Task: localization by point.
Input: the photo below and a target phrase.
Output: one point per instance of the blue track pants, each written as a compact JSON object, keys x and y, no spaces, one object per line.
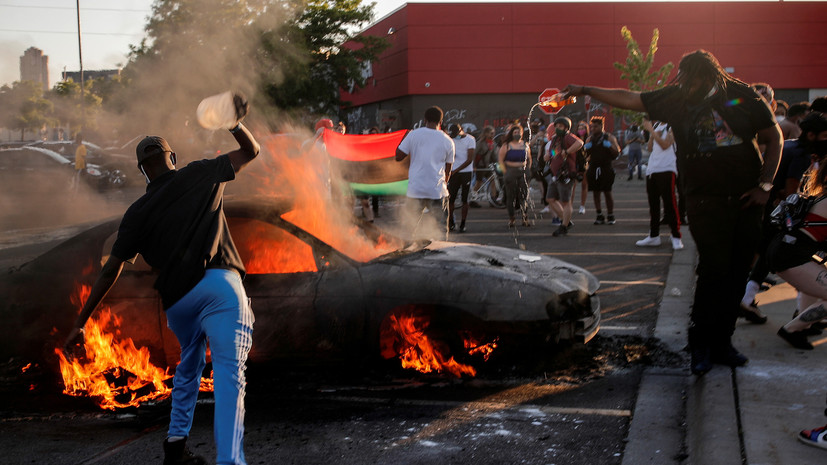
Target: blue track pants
{"x":215,"y":310}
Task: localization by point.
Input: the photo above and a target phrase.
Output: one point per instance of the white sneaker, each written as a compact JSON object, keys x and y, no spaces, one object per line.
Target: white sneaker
{"x":677,"y":243}
{"x":545,"y":209}
{"x":649,"y":242}
{"x":582,"y":210}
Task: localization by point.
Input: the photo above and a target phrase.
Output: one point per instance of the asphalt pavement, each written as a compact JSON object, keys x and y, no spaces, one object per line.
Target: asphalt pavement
{"x":749,"y":415}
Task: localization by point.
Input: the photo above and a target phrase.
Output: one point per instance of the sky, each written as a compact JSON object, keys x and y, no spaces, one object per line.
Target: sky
{"x":107,"y":28}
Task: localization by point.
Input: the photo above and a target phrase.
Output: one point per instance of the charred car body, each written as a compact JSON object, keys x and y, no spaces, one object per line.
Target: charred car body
{"x":310,"y":300}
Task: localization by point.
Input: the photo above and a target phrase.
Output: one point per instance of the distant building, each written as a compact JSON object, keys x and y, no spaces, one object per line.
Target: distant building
{"x":91,"y":75}
{"x":34,"y":66}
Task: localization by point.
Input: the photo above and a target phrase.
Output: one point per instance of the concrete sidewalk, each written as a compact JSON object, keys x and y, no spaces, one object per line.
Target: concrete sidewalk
{"x":750,"y":415}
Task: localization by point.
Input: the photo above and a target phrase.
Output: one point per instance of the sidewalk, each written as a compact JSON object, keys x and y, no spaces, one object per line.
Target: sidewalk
{"x":749,"y":415}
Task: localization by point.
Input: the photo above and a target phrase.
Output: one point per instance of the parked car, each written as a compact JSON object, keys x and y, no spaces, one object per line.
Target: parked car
{"x":104,"y":159}
{"x":33,"y":167}
{"x":311,"y":300}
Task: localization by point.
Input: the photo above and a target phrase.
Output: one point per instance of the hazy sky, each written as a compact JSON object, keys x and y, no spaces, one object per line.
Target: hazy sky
{"x":108,"y":27}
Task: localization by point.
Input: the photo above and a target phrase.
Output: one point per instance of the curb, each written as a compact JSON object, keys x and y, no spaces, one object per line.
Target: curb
{"x":679,"y":418}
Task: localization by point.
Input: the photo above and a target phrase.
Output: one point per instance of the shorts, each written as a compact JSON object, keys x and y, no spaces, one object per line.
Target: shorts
{"x":791,"y":249}
{"x":560,"y":191}
{"x":457,"y":181}
{"x":600,"y":178}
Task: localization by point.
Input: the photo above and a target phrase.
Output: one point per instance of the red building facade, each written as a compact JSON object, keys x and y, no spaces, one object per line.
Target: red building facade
{"x":486,"y":63}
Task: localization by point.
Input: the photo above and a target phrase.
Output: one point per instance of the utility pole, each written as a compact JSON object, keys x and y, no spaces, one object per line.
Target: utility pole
{"x":80,"y":58}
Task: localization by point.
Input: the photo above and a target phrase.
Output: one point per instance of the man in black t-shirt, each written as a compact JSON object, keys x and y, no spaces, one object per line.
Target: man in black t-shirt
{"x":718,"y":122}
{"x":179,"y":228}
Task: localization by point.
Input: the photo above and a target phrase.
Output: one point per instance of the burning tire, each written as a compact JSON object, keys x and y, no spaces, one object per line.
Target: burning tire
{"x":431,"y":339}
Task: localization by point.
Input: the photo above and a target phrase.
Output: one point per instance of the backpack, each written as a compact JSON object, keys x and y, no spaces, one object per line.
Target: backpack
{"x":791,"y":212}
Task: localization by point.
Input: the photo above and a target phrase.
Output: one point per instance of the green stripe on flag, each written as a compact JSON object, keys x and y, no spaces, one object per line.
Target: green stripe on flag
{"x":387,"y":188}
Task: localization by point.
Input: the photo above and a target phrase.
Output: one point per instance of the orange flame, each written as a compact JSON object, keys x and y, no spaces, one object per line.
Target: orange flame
{"x":115,"y":373}
{"x":417,"y":351}
{"x":320,"y":205}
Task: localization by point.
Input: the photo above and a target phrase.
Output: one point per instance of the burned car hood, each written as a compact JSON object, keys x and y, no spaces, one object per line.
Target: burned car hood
{"x":509,"y":264}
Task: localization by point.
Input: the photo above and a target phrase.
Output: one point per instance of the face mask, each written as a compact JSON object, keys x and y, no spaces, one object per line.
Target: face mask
{"x":560,"y":132}
{"x":581,"y":132}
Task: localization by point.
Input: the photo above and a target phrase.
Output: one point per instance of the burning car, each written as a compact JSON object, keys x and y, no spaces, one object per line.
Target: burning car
{"x":320,"y":298}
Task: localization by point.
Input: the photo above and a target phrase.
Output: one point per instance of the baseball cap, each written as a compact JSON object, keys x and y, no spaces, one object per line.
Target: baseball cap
{"x":149,"y":146}
{"x":324,"y":123}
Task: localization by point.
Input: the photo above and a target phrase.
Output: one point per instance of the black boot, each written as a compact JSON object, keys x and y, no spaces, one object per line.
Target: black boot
{"x":726,"y":354}
{"x":177,"y":453}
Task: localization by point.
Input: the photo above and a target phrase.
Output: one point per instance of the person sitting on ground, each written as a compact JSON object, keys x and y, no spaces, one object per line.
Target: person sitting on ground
{"x":791,"y":255}
{"x":796,"y":158}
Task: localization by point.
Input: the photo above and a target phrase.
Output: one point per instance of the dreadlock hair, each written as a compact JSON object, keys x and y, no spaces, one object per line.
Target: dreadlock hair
{"x":702,"y":66}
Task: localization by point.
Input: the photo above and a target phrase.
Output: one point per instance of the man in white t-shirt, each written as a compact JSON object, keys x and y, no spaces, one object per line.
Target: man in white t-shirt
{"x":661,"y":172}
{"x":432,"y":154}
{"x":462,"y":171}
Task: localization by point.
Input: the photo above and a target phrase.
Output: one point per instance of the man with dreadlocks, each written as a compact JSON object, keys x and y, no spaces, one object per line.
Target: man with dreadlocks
{"x":718,"y":122}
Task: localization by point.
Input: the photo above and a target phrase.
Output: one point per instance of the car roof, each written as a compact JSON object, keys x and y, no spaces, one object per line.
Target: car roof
{"x":49,"y":153}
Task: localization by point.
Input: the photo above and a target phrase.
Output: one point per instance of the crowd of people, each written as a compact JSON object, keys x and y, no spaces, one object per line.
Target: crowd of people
{"x":715,"y":146}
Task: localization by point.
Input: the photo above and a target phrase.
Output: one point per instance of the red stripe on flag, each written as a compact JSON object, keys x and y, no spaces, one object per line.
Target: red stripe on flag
{"x":362,"y":147}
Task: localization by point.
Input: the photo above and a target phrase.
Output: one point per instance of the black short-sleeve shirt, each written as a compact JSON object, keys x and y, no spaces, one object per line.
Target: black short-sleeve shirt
{"x":179,"y":227}
{"x":716,"y":140}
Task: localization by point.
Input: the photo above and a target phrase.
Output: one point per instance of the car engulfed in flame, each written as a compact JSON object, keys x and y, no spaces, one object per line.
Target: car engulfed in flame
{"x":314,"y":302}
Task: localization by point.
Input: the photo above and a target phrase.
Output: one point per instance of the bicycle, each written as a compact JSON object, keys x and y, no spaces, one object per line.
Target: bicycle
{"x":490,"y":189}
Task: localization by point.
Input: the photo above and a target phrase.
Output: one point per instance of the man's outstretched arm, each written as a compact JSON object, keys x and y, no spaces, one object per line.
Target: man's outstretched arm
{"x":620,"y":98}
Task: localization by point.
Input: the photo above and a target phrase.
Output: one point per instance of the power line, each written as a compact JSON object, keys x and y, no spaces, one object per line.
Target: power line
{"x":73,"y":9}
{"x":74,"y":32}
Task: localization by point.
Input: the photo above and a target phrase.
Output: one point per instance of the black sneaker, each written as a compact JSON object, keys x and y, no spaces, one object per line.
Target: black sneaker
{"x":752,"y":313}
{"x":570,"y":225}
{"x":701,"y":361}
{"x":600,"y":219}
{"x":796,"y":339}
{"x":462,"y":227}
{"x":611,"y":219}
{"x":177,"y":453}
{"x":561,"y":231}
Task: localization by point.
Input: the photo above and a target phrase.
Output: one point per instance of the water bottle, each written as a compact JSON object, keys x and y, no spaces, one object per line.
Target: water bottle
{"x":222,"y":111}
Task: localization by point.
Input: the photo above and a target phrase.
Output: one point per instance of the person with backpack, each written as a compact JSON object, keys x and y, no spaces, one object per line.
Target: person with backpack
{"x":796,"y":158}
{"x":561,"y":158}
{"x":797,"y":254}
{"x":803,"y":236}
{"x":602,"y":149}
{"x":661,"y":172}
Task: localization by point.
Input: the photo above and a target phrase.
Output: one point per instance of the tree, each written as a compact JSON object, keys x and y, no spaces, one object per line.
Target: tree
{"x":331,"y":55}
{"x":24,"y":107}
{"x":637,"y":70}
{"x":68,"y":110}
